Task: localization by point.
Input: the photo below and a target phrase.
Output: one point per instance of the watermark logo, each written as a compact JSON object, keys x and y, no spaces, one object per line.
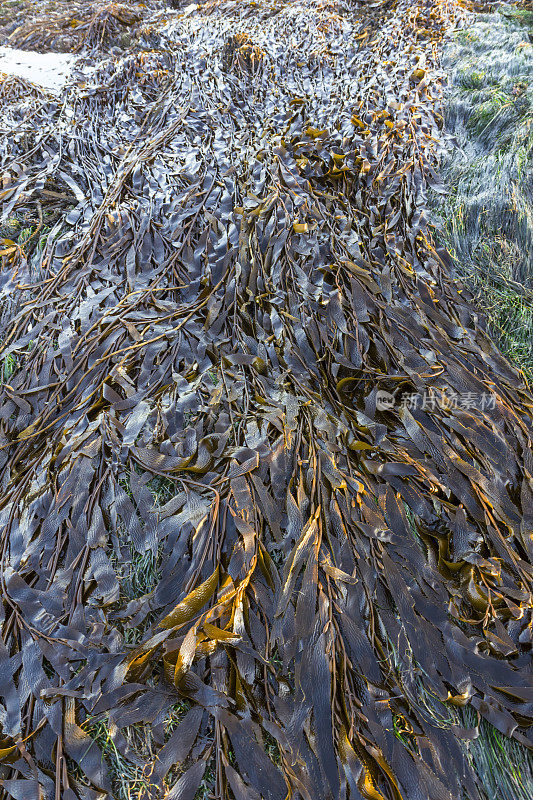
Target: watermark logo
{"x":384,"y":400}
{"x":431,"y":401}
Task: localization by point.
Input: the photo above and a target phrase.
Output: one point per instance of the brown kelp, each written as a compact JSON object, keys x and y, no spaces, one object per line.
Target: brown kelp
{"x":267,"y":484}
{"x":70,"y":25}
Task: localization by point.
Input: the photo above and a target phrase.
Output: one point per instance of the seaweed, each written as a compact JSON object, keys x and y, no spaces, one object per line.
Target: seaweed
{"x":267,"y":482}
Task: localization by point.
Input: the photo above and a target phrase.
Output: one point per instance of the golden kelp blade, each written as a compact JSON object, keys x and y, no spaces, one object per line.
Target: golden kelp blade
{"x":192,"y":604}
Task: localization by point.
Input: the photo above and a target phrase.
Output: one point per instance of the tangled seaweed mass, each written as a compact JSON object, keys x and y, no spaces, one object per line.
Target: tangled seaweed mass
{"x":241,"y":271}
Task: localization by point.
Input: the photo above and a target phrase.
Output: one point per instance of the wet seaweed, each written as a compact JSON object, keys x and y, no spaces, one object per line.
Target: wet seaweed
{"x":240,"y":364}
{"x":74,"y":25}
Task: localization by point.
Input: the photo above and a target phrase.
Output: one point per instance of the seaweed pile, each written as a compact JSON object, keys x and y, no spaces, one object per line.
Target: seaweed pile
{"x":73,"y":25}
{"x":237,"y":363}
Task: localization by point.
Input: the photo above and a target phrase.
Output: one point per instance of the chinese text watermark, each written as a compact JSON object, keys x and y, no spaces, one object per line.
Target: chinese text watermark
{"x":431,"y":401}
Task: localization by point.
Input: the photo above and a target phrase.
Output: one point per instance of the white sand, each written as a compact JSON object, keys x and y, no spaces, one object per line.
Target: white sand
{"x":49,"y":70}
